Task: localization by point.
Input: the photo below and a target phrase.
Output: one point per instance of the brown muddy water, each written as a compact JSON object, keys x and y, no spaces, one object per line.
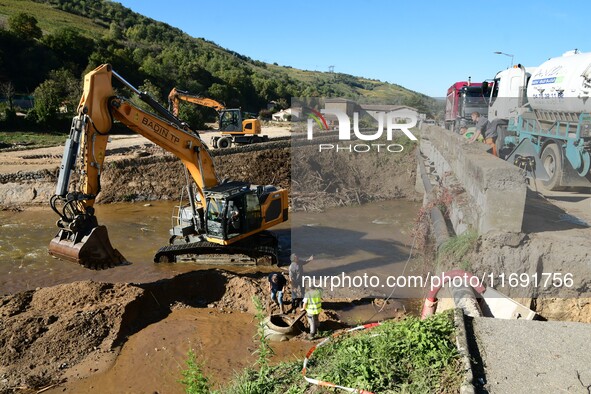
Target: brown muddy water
{"x":223,"y":342}
{"x":136,"y":230}
{"x":373,"y":239}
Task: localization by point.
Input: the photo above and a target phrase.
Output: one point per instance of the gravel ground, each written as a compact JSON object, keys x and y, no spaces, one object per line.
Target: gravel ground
{"x":533,"y":356}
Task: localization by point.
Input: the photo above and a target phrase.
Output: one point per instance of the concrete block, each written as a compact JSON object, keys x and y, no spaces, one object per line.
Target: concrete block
{"x":496,"y":189}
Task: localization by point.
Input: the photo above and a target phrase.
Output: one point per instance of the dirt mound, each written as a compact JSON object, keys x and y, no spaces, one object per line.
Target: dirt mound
{"x":46,"y":331}
{"x":239,"y":294}
{"x":161,"y":176}
{"x":333,"y":178}
{"x":534,"y":266}
{"x":266,"y":167}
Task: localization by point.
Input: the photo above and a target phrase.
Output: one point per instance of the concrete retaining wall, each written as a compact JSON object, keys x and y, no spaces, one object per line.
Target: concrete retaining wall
{"x":489,"y":193}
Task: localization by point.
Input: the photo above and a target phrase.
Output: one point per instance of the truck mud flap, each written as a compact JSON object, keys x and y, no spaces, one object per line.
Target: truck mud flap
{"x":526,"y":157}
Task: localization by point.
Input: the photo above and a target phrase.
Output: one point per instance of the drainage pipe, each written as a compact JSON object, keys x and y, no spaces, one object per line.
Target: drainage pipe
{"x":460,"y":292}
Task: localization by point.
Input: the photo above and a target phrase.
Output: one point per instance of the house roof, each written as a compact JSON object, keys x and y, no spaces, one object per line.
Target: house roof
{"x":379,"y":107}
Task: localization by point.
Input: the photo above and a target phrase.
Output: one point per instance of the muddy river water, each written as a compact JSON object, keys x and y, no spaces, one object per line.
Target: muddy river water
{"x":374,"y":239}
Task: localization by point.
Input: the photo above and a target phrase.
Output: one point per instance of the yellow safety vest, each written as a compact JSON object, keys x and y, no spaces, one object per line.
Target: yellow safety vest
{"x":314,"y":302}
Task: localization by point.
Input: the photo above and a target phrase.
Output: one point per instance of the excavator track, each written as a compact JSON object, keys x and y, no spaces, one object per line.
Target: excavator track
{"x":262,"y":250}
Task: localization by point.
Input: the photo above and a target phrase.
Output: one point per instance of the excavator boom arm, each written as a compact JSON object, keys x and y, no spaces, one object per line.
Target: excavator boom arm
{"x":175,"y":96}
{"x":239,"y":211}
{"x":183,"y":144}
{"x":101,"y":107}
{"x":81,"y":239}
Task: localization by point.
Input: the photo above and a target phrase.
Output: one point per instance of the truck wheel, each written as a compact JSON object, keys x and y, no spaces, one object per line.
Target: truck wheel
{"x":224,"y":142}
{"x":552,"y":162}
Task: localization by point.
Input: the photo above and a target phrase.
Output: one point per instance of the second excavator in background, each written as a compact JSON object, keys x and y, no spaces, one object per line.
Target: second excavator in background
{"x":222,"y":218}
{"x":232,"y":125}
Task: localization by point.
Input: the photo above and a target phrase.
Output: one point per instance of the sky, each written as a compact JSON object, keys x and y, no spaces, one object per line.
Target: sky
{"x":421,"y":45}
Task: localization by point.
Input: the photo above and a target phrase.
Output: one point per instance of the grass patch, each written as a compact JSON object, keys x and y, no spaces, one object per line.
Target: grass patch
{"x":30,"y":140}
{"x":454,"y":251}
{"x":50,"y":19}
{"x":408,"y":356}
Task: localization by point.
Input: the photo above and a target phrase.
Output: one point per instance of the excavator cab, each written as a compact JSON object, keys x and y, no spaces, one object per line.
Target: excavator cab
{"x":234,"y":214}
{"x":231,"y":120}
{"x":235,"y":209}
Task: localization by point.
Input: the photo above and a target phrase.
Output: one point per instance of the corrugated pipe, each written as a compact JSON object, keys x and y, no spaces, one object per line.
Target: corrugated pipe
{"x":463,"y":297}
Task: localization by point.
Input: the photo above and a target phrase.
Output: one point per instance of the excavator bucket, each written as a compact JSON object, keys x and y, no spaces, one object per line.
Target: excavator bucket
{"x":93,"y":250}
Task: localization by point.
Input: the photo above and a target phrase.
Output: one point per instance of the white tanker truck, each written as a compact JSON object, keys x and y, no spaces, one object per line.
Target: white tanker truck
{"x":543,"y":118}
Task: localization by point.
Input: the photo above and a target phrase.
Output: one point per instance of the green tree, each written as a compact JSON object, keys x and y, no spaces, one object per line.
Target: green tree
{"x":196,"y":116}
{"x":61,"y":89}
{"x":149,"y":88}
{"x":47,"y":101}
{"x":69,"y":88}
{"x":25,"y":26}
{"x":219,"y":92}
{"x":24,"y":62}
{"x":418,"y":102}
{"x":71,"y":47}
{"x":115,"y":31}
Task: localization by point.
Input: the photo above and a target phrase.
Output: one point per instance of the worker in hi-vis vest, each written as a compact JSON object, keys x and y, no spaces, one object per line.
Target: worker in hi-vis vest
{"x":312,"y":303}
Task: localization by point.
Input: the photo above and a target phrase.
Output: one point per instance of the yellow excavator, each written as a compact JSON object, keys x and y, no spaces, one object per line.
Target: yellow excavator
{"x":234,"y":129}
{"x":222,"y":218}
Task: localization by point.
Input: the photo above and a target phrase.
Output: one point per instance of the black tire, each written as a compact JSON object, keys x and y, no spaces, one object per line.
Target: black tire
{"x":552,"y":161}
{"x":224,"y":142}
{"x":286,"y":327}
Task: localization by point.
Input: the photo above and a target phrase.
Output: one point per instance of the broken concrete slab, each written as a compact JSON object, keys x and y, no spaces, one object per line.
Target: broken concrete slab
{"x":517,"y":356}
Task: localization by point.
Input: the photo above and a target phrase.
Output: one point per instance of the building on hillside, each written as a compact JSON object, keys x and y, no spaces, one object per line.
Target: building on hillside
{"x":350,"y":107}
{"x":286,"y":115}
{"x":403,"y":111}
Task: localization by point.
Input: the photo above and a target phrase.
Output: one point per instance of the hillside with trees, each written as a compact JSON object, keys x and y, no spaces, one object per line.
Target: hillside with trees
{"x":46,"y":46}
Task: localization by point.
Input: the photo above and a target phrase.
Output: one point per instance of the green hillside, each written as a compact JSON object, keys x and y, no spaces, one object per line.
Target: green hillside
{"x":50,"y":19}
{"x":76,"y":36}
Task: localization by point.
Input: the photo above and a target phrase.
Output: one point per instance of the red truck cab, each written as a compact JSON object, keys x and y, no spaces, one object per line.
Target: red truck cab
{"x":463,"y":98}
